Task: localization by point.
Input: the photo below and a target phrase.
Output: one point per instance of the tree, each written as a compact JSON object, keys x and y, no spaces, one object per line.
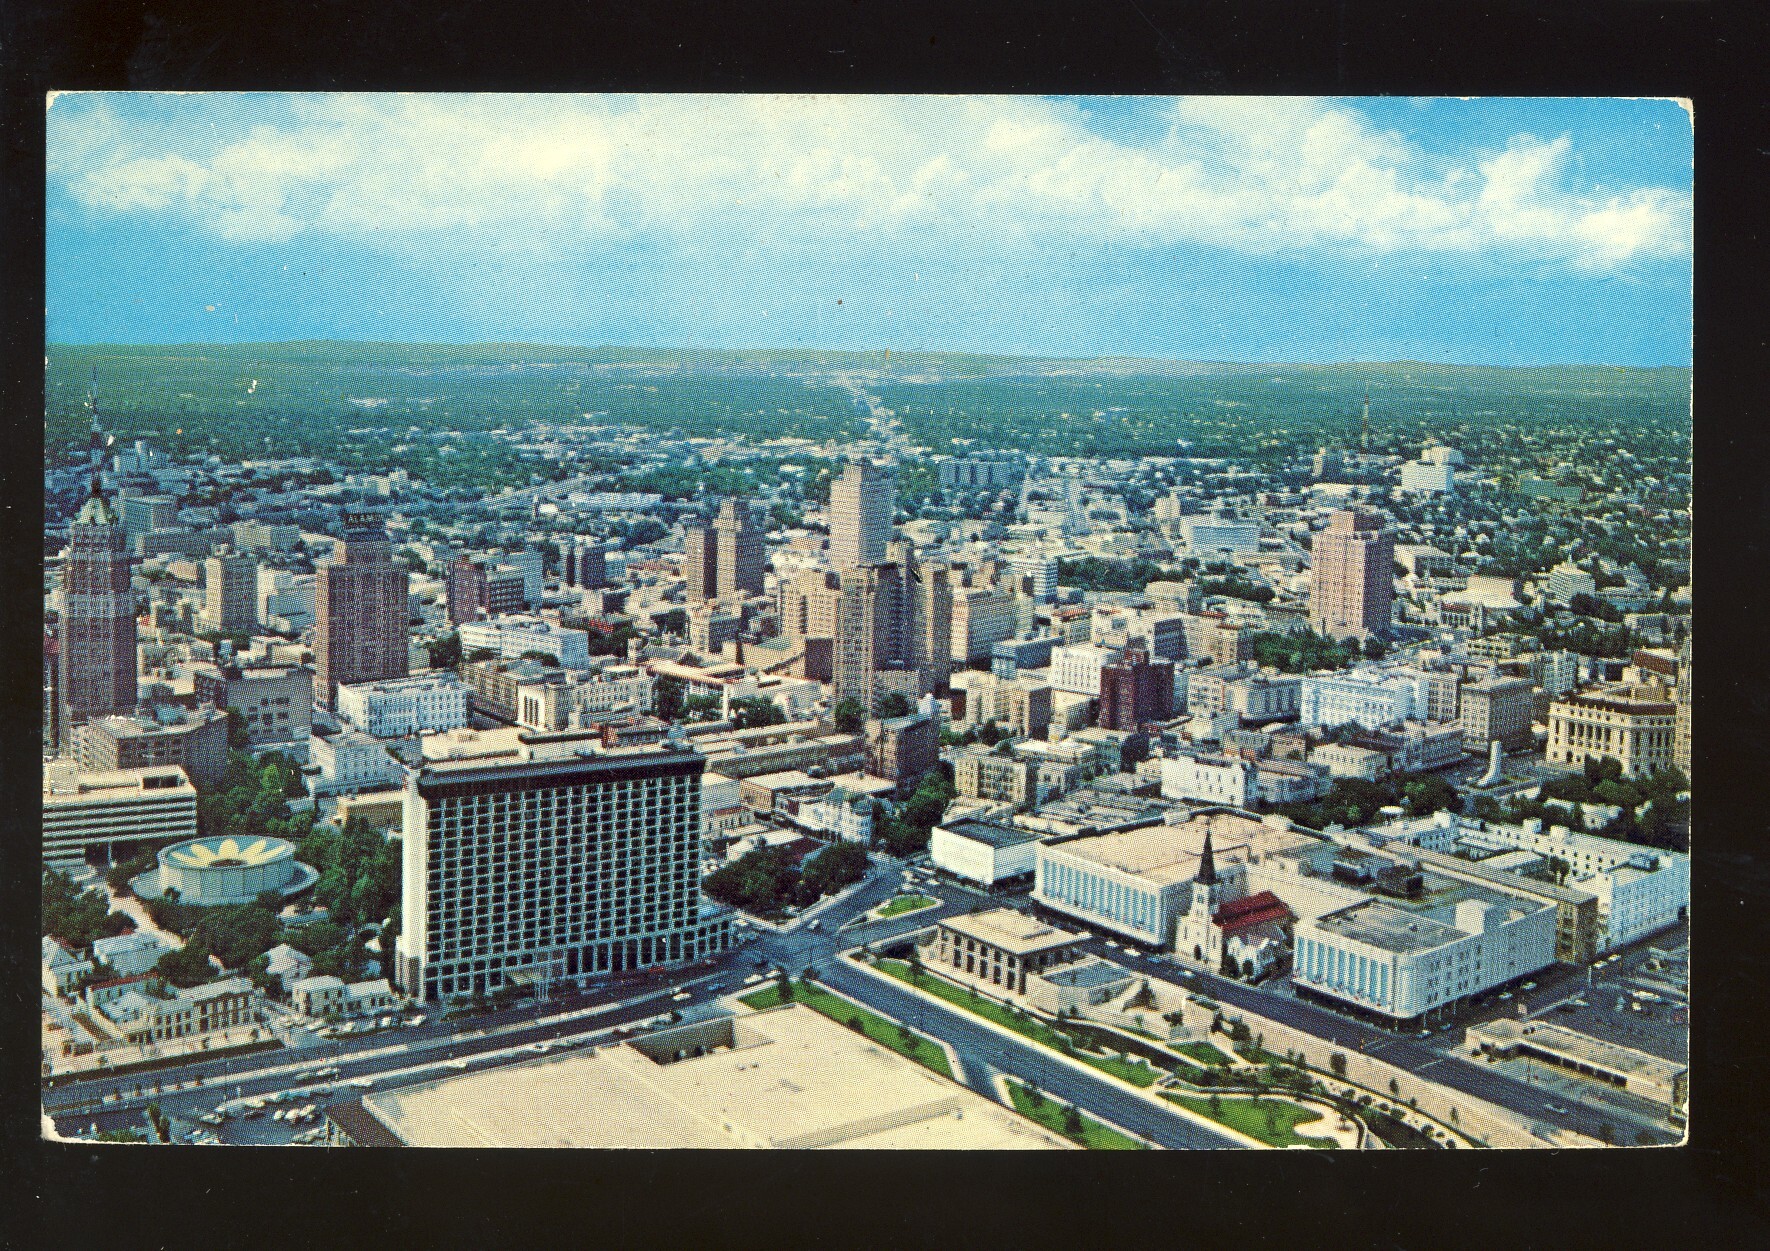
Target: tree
{"x":445,"y":653}
{"x":989,"y":734}
{"x":836,"y":866}
{"x":1337,"y":1063}
{"x":849,"y":714}
{"x":915,"y":962}
{"x":667,"y":696}
{"x":1035,"y":1096}
{"x":187,"y":965}
{"x":892,"y":704}
{"x":1072,"y":1122}
{"x":237,"y":735}
{"x":785,"y":984}
{"x":753,"y":711}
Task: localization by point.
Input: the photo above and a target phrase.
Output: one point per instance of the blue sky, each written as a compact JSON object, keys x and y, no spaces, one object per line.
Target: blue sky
{"x":1499,"y":231}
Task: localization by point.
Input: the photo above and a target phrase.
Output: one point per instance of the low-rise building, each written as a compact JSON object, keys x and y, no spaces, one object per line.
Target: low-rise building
{"x":1633,"y":725}
{"x":1398,"y":963}
{"x":785,"y":1078}
{"x":89,"y":813}
{"x":428,"y":704}
{"x":287,"y":964}
{"x":351,"y":760}
{"x":128,"y":954}
{"x":275,"y":701}
{"x":328,"y":996}
{"x":1137,"y":882}
{"x":512,"y":637}
{"x":985,"y":852}
{"x":1647,"y":1076}
{"x":997,"y":950}
{"x":63,"y":967}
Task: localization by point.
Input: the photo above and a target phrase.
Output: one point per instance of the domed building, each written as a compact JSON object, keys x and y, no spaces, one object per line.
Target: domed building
{"x":212,"y":871}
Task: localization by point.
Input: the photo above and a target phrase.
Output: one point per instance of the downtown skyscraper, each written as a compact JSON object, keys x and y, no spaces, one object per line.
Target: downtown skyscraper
{"x":1352,"y":579}
{"x":862,"y":501}
{"x":361,"y":612}
{"x":96,"y":638}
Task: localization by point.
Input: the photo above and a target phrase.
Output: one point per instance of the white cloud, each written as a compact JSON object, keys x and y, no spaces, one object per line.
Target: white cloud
{"x":1254,"y":175}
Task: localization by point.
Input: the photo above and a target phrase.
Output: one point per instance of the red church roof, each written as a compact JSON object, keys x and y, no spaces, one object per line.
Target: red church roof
{"x":1251,"y":910}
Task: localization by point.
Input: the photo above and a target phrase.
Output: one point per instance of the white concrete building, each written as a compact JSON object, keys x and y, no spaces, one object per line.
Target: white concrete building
{"x":1640,"y":890}
{"x":510,"y":636}
{"x":1372,"y":698}
{"x":1077,"y":667}
{"x":1400,"y":963}
{"x":428,"y":704}
{"x":85,"y":812}
{"x":131,"y":953}
{"x":351,"y":760}
{"x":983,"y":851}
{"x":1421,"y":477}
{"x":1208,"y":779}
{"x":1212,"y":536}
{"x":1567,"y":580}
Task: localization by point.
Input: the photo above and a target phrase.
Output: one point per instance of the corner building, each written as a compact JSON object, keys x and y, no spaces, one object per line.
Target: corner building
{"x":548,"y":856}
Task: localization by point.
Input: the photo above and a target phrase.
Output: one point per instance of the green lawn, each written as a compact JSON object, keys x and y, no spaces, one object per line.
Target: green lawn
{"x":907,"y":903}
{"x":1136,"y":1071}
{"x":1203,"y":1052}
{"x":1095,"y":1136}
{"x":1250,"y":1118}
{"x":884,"y":1032}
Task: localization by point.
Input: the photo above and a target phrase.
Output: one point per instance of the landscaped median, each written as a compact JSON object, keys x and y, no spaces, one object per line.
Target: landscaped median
{"x":1071,"y":1122}
{"x":1136,"y":1071}
{"x":1253,"y":1114}
{"x":900,"y":904}
{"x":900,"y":1038}
{"x":1272,"y":1121}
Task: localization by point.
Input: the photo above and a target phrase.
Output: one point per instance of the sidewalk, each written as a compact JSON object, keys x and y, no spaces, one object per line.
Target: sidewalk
{"x":136,"y":911}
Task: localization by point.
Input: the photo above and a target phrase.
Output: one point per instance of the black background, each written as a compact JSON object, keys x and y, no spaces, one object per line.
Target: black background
{"x":1710,"y":1193}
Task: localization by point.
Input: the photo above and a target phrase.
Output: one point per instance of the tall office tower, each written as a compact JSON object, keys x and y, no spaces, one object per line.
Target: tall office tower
{"x":738,"y":541}
{"x":1135,"y":691}
{"x":1352,"y":582}
{"x":230,"y":593}
{"x":466,"y":590}
{"x":586,"y":566}
{"x":862,"y":502}
{"x":1035,"y":575}
{"x":97,"y":631}
{"x":1681,"y":711}
{"x":143,"y":514}
{"x":700,"y":562}
{"x":808,"y":604}
{"x":562,"y":860}
{"x":361,"y":611}
{"x":872,"y":630}
{"x":931,"y":623}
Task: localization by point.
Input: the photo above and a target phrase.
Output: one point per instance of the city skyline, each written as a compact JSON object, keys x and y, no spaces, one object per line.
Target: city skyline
{"x":1507,"y":232}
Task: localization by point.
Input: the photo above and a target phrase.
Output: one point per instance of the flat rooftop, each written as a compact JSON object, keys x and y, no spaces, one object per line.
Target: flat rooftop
{"x":467,"y":750}
{"x":1596,"y":1052}
{"x":63,"y":783}
{"x":1088,"y":973}
{"x":1168,"y":854}
{"x":1010,"y":930}
{"x":991,"y":834}
{"x":785,"y":1078}
{"x":1388,"y":928}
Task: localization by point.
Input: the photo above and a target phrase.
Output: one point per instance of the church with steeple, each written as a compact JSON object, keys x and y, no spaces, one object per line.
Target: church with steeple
{"x":1224,"y":921}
